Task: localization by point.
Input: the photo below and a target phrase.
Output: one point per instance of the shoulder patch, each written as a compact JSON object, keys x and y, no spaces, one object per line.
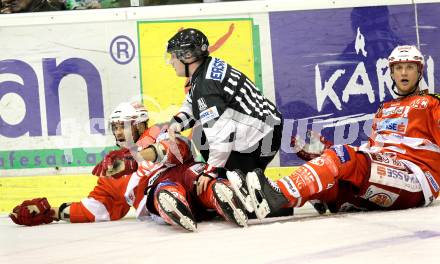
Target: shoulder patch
{"x":216,"y":69}
{"x":437,"y":96}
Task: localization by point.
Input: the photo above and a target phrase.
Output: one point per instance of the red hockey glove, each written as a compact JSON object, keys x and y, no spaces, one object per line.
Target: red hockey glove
{"x":313,"y":149}
{"x":116,"y":164}
{"x":32,"y":212}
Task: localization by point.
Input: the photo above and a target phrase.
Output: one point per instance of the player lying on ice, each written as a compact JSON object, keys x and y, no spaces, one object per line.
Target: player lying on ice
{"x":398,"y":168}
{"x":154,"y":176}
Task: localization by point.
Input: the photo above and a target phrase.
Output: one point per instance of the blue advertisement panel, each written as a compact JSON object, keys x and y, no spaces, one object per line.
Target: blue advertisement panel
{"x":330,"y":66}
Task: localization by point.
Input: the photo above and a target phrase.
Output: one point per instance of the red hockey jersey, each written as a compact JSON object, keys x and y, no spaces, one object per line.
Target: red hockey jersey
{"x":409,"y":128}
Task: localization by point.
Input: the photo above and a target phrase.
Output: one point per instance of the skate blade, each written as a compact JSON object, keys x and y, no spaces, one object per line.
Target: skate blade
{"x":262,"y":208}
{"x":226,"y":195}
{"x":237,"y":184}
{"x":169,"y":204}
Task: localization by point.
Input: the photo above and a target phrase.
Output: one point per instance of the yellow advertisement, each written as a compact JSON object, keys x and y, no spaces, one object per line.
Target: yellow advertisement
{"x":163,"y":92}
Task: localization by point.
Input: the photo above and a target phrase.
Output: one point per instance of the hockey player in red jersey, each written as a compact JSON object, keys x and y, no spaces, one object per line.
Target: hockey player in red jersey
{"x":398,"y":168}
{"x":154,"y":176}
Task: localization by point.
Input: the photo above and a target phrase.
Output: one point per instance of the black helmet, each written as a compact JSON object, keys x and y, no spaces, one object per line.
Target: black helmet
{"x":189,"y":43}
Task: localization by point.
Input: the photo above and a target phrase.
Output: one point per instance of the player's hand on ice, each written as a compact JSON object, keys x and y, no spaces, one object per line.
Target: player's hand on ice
{"x":33,"y":212}
{"x":311,"y":147}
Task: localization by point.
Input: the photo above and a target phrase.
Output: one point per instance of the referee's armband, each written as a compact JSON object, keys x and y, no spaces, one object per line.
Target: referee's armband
{"x":184,"y":120}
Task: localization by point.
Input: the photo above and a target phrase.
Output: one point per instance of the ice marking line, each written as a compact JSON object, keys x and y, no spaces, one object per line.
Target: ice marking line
{"x":363,"y":247}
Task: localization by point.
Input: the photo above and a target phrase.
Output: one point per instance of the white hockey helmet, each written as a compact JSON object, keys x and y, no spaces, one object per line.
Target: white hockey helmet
{"x":406,"y":54}
{"x":125,"y":112}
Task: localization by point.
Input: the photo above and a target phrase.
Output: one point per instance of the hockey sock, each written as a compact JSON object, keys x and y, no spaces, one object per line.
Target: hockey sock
{"x":311,"y":178}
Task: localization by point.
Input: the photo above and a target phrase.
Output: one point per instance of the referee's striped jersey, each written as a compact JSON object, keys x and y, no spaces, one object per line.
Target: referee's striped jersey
{"x":234,"y":114}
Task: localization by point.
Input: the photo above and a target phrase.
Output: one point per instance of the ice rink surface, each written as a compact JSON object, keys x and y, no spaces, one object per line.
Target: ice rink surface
{"x":408,"y":236}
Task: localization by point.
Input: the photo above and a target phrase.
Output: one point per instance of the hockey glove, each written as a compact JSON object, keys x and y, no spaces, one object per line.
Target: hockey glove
{"x":33,"y":212}
{"x":313,"y":149}
{"x":116,"y":164}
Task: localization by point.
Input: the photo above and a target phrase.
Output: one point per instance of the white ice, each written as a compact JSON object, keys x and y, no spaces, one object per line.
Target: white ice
{"x":408,"y":236}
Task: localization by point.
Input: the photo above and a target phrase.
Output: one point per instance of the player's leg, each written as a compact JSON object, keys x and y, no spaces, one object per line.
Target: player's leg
{"x":239,"y":164}
{"x":221,"y":197}
{"x":227,"y":203}
{"x":314,"y":177}
{"x":171,"y":204}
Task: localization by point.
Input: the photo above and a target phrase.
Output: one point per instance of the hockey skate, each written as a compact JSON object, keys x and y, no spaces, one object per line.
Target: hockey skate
{"x":231,"y":207}
{"x":266,"y":198}
{"x":238,"y":184}
{"x":176,"y":211}
{"x":319,"y":206}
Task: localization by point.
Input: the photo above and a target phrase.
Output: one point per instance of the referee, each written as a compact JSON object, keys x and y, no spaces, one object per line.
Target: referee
{"x":241,"y":129}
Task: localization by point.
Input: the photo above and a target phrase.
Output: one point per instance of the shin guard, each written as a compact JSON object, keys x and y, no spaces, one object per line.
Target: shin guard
{"x":311,"y":178}
{"x":170,"y":201}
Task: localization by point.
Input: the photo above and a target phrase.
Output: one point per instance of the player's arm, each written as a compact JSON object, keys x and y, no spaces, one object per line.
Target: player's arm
{"x":168,"y":151}
{"x":183,"y":120}
{"x":38,"y":211}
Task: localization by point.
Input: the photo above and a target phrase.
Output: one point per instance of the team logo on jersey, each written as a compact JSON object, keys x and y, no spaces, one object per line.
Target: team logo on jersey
{"x":395,"y":110}
{"x":342,"y":153}
{"x":386,"y":159}
{"x":304,"y":176}
{"x":290,"y":186}
{"x":394,"y":178}
{"x":209,"y":114}
{"x":317,"y":161}
{"x":380,"y":196}
{"x":202,"y":104}
{"x":216,"y":70}
{"x":381,"y":171}
{"x":419,"y":103}
{"x":393,"y":124}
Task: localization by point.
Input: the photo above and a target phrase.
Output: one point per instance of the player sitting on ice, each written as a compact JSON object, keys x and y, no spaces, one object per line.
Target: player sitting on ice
{"x":398,"y":168}
{"x":165,"y":172}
